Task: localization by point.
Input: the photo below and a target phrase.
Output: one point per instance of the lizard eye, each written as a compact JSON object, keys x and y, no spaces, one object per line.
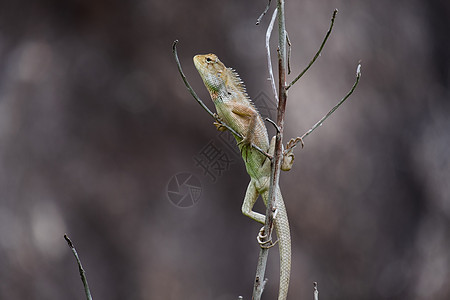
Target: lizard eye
{"x":208,"y":59}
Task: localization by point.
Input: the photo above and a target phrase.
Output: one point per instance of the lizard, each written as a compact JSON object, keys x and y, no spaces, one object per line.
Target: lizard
{"x":234,"y":108}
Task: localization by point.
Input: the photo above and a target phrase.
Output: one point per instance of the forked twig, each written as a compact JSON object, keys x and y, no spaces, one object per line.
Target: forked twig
{"x":293,"y":142}
{"x":202,"y":104}
{"x":80,"y":268}
{"x":318,"y":52}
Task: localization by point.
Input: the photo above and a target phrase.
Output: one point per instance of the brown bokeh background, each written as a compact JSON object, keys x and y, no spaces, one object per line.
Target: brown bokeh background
{"x":95,"y":121}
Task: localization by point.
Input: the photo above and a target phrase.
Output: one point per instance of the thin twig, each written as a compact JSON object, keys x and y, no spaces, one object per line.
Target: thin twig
{"x":269,"y":59}
{"x":288,"y":41}
{"x":293,"y":142}
{"x":202,"y":104}
{"x":274,"y":124}
{"x":80,"y":268}
{"x":191,"y":90}
{"x":258,"y":21}
{"x":318,"y":52}
{"x":316,"y":291}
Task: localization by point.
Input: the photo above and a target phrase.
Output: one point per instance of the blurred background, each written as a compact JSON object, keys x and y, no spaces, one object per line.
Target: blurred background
{"x":99,"y":139}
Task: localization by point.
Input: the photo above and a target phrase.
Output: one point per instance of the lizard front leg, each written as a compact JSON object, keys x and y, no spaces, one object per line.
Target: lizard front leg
{"x":249,"y":116}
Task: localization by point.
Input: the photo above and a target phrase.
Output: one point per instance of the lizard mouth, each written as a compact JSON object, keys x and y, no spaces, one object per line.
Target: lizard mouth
{"x":196,"y":61}
{"x":199,"y":65}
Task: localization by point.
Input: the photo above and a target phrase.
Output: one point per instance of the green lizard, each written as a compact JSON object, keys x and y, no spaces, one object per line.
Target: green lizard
{"x":235,"y":109}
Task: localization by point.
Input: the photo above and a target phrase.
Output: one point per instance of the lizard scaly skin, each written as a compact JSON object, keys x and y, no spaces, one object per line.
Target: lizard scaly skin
{"x":235,"y":108}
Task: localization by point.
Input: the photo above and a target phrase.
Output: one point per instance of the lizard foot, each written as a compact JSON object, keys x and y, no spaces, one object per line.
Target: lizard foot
{"x":288,"y":160}
{"x":219,"y":126}
{"x":218,"y":123}
{"x":261,"y":238}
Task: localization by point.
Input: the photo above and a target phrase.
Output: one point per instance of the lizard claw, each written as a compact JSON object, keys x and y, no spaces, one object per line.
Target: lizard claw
{"x":218,"y":123}
{"x":219,"y":126}
{"x":261,"y":238}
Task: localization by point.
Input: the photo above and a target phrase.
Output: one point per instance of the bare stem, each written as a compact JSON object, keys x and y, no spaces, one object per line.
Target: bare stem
{"x":202,"y":104}
{"x":80,"y":268}
{"x":276,"y":161}
{"x":318,"y":52}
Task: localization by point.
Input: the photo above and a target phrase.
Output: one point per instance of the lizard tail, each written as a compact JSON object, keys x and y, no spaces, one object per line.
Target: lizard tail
{"x":284,"y":241}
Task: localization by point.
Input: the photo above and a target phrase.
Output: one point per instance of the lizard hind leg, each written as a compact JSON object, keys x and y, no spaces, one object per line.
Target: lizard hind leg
{"x":248,"y":117}
{"x":251,"y":195}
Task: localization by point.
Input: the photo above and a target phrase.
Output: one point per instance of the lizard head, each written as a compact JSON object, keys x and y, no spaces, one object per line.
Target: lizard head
{"x":211,"y":70}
